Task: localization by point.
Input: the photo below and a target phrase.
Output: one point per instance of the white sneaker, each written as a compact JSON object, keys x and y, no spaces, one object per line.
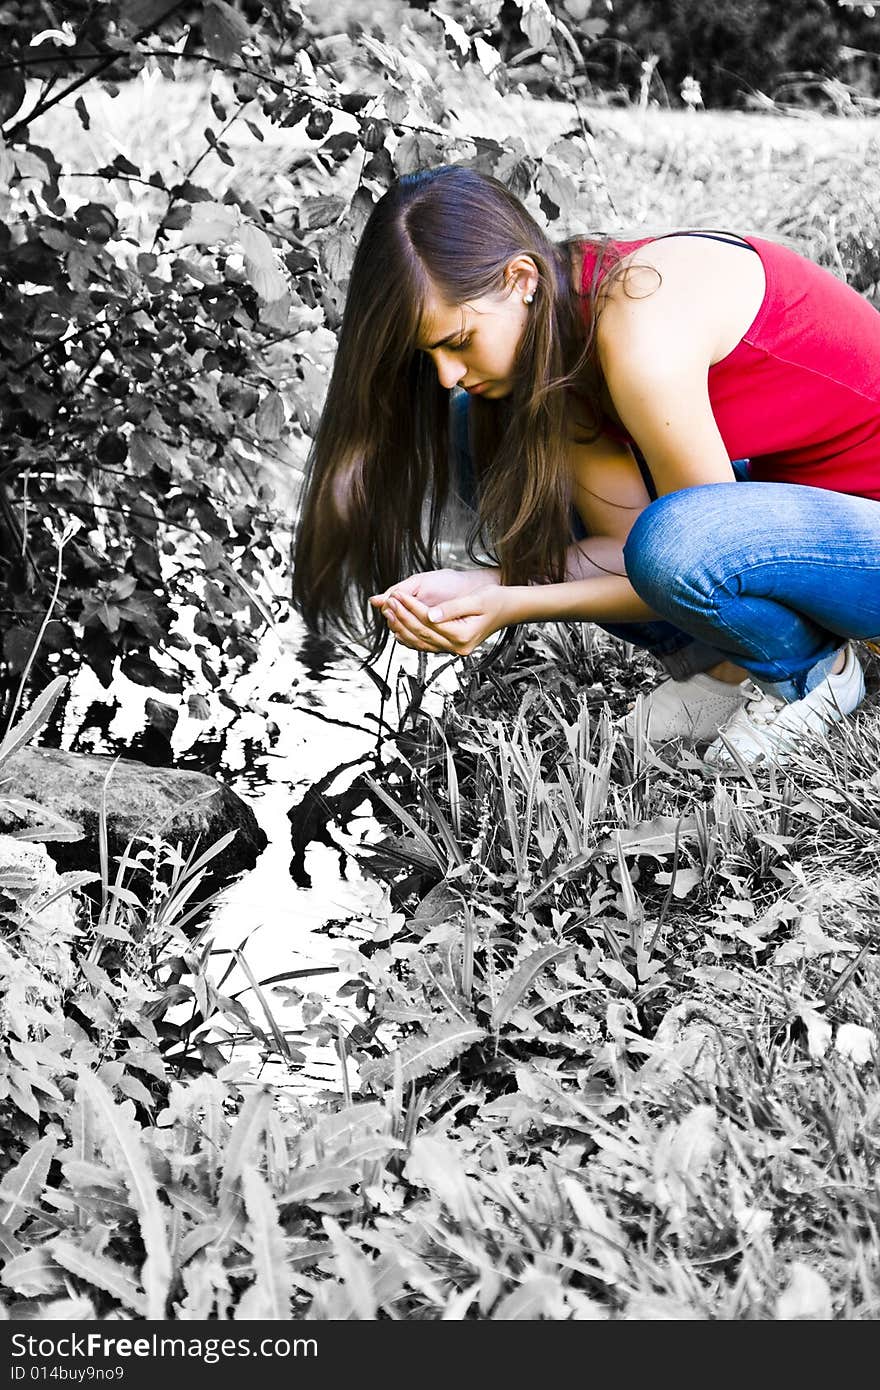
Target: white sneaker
{"x":769,"y":729}
{"x":693,"y":709}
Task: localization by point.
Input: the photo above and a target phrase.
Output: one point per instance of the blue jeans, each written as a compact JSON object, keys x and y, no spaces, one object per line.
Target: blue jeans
{"x":775,"y":575}
{"x":772,"y":576}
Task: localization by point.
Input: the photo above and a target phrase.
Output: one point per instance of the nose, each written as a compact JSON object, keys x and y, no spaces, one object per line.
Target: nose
{"x":450,"y":371}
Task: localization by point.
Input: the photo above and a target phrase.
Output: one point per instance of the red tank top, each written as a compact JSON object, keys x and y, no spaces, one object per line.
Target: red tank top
{"x":799,"y":395}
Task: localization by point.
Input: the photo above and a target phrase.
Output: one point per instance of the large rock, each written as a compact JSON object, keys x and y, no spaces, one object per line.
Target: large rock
{"x":180,"y":806}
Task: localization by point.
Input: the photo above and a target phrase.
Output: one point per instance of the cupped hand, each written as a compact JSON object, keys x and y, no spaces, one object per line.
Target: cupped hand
{"x":457,"y":625}
{"x":438,"y":586}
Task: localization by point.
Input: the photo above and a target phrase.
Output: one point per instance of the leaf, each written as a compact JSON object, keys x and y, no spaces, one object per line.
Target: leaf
{"x":275,"y":313}
{"x":458,"y":36}
{"x":256,"y":245}
{"x":146,"y":452}
{"x":440,"y":904}
{"x":337,"y":254}
{"x":261,"y":263}
{"x":807,"y":1296}
{"x":125,"y":1136}
{"x":161,"y":717}
{"x":315,"y":1182}
{"x":416,"y":151}
{"x":558,"y":186}
{"x":273,"y":1288}
{"x":422,"y":838}
{"x":355,"y":1271}
{"x":24,"y":1183}
{"x":224,"y":30}
{"x":396,"y":103}
{"x":33,"y":721}
{"x":607,"y":1239}
{"x":656,"y":837}
{"x":539,"y":1295}
{"x":32,"y":1273}
{"x":49,"y":825}
{"x":685,"y":881}
{"x":81,"y":1175}
{"x":111,"y":449}
{"x":209,"y":223}
{"x":536,"y":22}
{"x":10,"y":1248}
{"x":522,"y":980}
{"x":143,"y":671}
{"x":385,"y":55}
{"x":436,"y":1164}
{"x":315,"y":213}
{"x":615,"y":971}
{"x":12,"y":93}
{"x":140,"y":15}
{"x":101,"y":1273}
{"x":419,"y":1056}
{"x":632,"y":906}
{"x":488,"y":57}
{"x":248,"y":1128}
{"x":198,"y":707}
{"x":683,"y":1151}
{"x":135,"y":1090}
{"x":269,"y":419}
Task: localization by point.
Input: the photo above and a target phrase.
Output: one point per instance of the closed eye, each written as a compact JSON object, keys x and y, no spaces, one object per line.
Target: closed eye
{"x":465,"y":342}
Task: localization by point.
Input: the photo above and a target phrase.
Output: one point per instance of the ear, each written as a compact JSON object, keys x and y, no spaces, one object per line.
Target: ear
{"x":521,"y":276}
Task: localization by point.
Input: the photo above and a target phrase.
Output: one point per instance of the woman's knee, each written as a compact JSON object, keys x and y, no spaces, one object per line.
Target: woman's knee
{"x":673,"y":539}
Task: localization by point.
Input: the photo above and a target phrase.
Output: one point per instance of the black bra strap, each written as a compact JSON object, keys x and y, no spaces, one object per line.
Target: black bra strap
{"x":644,"y":470}
{"x":728,"y":238}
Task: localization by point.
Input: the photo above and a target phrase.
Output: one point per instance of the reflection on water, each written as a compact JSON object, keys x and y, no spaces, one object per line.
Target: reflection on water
{"x":303,"y":709}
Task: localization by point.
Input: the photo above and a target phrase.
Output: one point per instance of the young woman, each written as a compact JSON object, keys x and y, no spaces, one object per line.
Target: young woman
{"x":677,"y":438}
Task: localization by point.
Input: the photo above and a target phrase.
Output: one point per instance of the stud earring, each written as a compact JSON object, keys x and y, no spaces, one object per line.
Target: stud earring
{"x":528,"y":298}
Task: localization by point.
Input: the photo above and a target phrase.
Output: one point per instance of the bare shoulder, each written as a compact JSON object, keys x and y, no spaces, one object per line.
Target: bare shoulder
{"x":690,"y":297}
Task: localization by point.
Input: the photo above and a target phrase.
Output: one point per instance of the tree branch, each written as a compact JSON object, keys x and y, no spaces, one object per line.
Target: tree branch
{"x":107,"y":61}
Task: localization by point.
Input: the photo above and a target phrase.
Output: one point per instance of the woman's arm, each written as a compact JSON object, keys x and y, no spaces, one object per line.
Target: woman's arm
{"x":462,"y":624}
{"x":609,"y":493}
{"x":657,"y":336}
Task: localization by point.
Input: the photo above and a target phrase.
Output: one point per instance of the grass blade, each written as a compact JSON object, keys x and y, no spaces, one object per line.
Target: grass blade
{"x":24,"y":1183}
{"x":272,"y":1289}
{"x":522,"y":980}
{"x":34,"y":720}
{"x":418,"y":1056}
{"x":101,"y":1273}
{"x":125,"y":1137}
{"x":249,"y":1126}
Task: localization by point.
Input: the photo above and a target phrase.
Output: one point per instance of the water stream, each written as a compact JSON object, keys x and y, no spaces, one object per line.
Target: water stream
{"x":306,"y":708}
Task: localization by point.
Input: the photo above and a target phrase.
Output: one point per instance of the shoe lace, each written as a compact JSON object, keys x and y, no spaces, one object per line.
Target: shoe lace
{"x":761,"y":708}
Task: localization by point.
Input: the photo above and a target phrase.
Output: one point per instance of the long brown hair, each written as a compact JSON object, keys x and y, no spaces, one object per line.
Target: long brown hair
{"x":377,"y":478}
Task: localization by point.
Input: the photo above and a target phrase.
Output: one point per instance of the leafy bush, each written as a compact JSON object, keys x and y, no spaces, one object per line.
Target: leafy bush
{"x":160,"y":335}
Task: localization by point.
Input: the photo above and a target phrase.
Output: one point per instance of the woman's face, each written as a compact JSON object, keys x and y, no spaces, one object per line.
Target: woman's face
{"x":475,"y":344}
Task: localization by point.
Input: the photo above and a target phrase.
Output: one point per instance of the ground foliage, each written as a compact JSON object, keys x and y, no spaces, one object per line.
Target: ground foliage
{"x":616,"y":1054}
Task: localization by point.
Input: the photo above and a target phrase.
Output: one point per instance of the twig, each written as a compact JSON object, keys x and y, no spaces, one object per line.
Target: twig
{"x":174,"y":193}
{"x":586,"y":133}
{"x":61,"y":541}
{"x":107,"y":61}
